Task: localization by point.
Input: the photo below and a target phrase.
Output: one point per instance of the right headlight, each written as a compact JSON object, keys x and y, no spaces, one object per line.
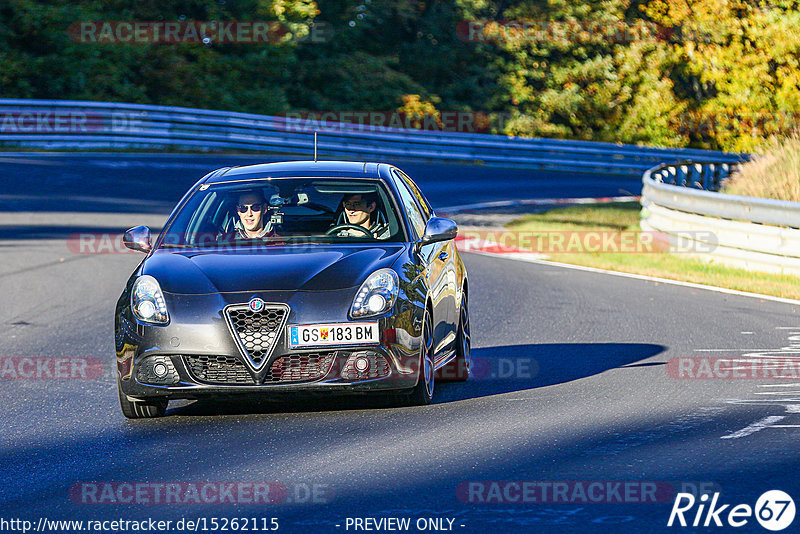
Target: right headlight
{"x":376,"y":295}
{"x":147,"y":301}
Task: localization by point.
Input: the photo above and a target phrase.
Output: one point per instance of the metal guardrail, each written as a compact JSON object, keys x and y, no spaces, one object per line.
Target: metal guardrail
{"x":56,"y":124}
{"x":683,"y":202}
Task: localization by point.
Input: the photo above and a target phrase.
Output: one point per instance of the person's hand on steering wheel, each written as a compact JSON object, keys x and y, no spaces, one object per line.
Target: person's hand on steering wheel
{"x":341,"y":228}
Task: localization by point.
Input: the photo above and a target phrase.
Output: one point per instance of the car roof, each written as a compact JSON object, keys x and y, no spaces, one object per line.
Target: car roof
{"x":285,"y":169}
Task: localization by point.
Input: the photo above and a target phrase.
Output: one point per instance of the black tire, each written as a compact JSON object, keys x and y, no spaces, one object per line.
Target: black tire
{"x":141,"y":409}
{"x":422,"y":394}
{"x":459,"y":369}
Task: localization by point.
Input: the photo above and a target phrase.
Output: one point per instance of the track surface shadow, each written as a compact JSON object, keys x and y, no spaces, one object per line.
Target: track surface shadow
{"x":496,"y":370}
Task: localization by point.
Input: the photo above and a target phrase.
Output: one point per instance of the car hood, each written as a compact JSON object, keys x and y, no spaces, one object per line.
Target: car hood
{"x":315,"y":268}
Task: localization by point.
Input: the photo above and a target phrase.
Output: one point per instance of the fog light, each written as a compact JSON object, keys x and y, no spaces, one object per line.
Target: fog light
{"x":160,"y":370}
{"x":362,"y":364}
{"x":157,"y":370}
{"x":365,"y":365}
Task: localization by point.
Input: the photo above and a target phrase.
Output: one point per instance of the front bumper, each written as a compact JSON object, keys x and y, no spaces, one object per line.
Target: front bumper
{"x":199,"y":358}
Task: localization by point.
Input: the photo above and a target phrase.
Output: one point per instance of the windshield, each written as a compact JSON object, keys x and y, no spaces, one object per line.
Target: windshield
{"x":286,"y":211}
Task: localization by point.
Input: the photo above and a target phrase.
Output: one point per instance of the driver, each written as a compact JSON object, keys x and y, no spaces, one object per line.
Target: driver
{"x":361,"y":210}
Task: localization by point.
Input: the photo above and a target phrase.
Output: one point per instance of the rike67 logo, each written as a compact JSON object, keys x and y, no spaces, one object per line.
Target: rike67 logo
{"x":774,"y":510}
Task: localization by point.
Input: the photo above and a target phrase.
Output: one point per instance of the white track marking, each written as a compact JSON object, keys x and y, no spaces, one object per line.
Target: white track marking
{"x":765,"y":402}
{"x":536,"y":202}
{"x":732,"y":350}
{"x":755,"y":427}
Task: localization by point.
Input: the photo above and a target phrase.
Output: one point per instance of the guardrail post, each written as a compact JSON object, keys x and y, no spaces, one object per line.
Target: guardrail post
{"x":682,"y":175}
{"x":720,"y":174}
{"x":673,"y":172}
{"x":707,"y":176}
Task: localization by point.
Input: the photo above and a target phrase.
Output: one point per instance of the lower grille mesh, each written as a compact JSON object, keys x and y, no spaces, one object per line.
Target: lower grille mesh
{"x":300,"y":367}
{"x":219,"y":369}
{"x":230,"y":370}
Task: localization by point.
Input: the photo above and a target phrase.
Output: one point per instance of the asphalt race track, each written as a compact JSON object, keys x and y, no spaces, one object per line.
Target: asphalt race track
{"x":571,"y":384}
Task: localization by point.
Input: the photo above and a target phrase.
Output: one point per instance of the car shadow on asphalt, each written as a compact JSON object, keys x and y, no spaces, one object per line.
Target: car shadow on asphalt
{"x":252,"y":405}
{"x":496,"y":370}
{"x":509,"y":368}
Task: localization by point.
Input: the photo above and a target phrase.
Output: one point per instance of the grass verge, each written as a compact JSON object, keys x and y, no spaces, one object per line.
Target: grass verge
{"x":773,"y":174}
{"x":624,"y":217}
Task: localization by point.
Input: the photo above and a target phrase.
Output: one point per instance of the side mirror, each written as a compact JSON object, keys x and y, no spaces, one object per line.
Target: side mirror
{"x":439,"y":229}
{"x":138,"y":238}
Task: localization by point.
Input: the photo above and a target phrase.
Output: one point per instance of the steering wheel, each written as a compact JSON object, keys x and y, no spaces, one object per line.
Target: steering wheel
{"x":339,"y":227}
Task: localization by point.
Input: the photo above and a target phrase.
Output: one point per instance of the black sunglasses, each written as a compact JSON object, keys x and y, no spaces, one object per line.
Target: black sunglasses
{"x":244,"y":207}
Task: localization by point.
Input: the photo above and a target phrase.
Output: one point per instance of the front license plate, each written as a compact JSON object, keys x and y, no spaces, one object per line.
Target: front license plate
{"x":316,"y":335}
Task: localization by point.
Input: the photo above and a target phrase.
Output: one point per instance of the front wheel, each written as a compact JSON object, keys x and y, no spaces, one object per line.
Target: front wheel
{"x":141,"y":409}
{"x":422,"y":393}
{"x":459,"y":369}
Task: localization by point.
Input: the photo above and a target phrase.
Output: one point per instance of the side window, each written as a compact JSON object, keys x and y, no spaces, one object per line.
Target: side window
{"x":421,"y":200}
{"x":415,"y":216}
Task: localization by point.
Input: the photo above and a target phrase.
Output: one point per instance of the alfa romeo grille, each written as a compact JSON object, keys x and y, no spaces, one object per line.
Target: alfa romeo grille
{"x":300,"y":367}
{"x":257,"y":332}
{"x":219,"y":369}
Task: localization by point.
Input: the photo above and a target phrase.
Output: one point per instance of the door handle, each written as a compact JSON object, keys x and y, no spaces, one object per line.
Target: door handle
{"x":443,"y":255}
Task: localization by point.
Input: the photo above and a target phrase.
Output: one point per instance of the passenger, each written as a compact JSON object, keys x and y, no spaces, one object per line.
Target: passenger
{"x":251,"y":209}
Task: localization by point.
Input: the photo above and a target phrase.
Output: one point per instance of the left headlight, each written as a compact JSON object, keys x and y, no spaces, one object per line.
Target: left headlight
{"x":376,"y":295}
{"x":147,"y":301}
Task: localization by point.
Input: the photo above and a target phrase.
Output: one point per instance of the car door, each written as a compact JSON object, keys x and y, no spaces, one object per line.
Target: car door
{"x":452,"y":270}
{"x":438,"y":262}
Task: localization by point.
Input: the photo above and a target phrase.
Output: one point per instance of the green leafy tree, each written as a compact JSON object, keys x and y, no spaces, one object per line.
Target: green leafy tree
{"x":589,"y":70}
{"x":739,"y":68}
